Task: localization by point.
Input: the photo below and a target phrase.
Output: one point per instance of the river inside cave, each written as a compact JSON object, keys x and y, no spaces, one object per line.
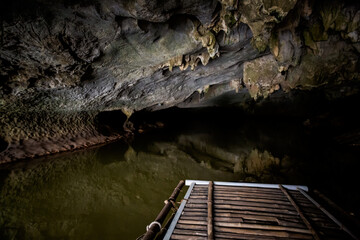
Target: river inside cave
{"x":114,"y":191}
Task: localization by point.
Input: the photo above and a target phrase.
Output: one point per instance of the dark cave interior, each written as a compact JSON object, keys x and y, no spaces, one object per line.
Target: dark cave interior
{"x":107,"y":94}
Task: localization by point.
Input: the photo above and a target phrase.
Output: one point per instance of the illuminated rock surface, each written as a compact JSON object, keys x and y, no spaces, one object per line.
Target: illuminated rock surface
{"x":64,"y":62}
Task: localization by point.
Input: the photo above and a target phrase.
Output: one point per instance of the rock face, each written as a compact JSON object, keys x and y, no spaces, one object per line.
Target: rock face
{"x":63,"y":62}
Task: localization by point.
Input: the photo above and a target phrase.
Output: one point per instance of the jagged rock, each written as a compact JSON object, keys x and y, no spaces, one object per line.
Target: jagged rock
{"x":262,"y":76}
{"x":262,"y":16}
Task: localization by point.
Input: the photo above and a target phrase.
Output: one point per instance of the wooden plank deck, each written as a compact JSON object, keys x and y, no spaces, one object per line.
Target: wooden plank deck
{"x":216,"y":211}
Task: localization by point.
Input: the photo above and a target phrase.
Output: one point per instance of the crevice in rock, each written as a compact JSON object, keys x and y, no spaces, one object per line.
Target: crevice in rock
{"x":3,"y":144}
{"x":1,"y":32}
{"x":88,"y":74}
{"x":32,"y":82}
{"x":176,"y":20}
{"x":67,"y":47}
{"x":143,"y":25}
{"x":110,"y":122}
{"x":216,"y":12}
{"x":50,"y":72}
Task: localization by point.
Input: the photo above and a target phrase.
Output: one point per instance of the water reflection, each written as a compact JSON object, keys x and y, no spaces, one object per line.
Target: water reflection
{"x":114,"y":191}
{"x":247,"y":161}
{"x":96,"y":194}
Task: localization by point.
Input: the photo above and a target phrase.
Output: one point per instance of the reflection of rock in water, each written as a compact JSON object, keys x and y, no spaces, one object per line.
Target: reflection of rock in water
{"x":245,"y":159}
{"x":84,"y":196}
{"x":259,"y":163}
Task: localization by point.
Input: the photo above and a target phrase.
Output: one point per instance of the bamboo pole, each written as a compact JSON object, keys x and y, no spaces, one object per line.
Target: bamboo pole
{"x":155,"y":226}
{"x":328,"y":214}
{"x":210,"y":227}
{"x":338,"y":209}
{"x":307,"y":223}
{"x":166,"y":227}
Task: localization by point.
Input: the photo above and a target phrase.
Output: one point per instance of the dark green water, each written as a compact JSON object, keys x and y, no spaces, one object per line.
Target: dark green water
{"x":114,"y":191}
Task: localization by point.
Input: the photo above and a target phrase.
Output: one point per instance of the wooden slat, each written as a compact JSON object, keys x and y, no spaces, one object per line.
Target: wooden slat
{"x":255,"y":193}
{"x":241,"y":194}
{"x":256,"y":209}
{"x":243,"y":202}
{"x":200,"y":191}
{"x":181,"y":226}
{"x":307,"y":223}
{"x":258,"y":232}
{"x":270,"y":214}
{"x":196,"y":205}
{"x":198,"y":194}
{"x":254,"y":204}
{"x":198,"y":197}
{"x":191,"y":213}
{"x":257,"y":221}
{"x":196,"y":210}
{"x":262,"y":227}
{"x":250,"y":199}
{"x":200,"y":218}
{"x":226,"y":235}
{"x":190,"y":232}
{"x":186,"y":237}
{"x":248,"y":189}
{"x":202,"y":201}
{"x":186,"y":224}
{"x":259,"y":217}
{"x":194,"y":222}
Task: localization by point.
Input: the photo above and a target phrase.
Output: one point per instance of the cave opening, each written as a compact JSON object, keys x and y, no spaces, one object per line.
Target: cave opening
{"x":110,"y":122}
{"x":314,"y":110}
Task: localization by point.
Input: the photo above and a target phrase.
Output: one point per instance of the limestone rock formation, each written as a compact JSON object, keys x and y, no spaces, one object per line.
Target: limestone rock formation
{"x":64,"y":62}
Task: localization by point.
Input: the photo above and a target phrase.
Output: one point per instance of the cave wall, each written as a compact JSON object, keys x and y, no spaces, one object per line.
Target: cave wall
{"x":64,"y":62}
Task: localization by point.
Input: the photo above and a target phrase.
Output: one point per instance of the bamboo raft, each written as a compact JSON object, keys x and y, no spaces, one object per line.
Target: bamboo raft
{"x":224,"y":210}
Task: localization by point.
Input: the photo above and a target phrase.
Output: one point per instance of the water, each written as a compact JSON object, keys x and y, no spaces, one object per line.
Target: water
{"x":114,"y":191}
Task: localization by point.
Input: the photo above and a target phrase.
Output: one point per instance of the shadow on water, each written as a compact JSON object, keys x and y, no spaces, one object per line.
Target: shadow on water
{"x":114,"y":191}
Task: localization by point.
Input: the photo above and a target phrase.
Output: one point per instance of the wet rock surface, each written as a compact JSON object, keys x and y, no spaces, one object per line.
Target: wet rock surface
{"x":64,"y":62}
